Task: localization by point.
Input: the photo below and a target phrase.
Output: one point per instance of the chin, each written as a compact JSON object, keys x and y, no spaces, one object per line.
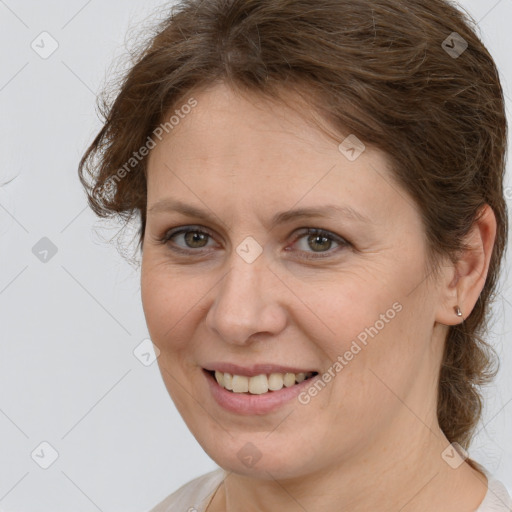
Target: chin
{"x":255,"y":457}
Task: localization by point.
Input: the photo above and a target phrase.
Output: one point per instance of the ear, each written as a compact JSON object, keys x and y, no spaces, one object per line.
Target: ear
{"x":465,"y":279}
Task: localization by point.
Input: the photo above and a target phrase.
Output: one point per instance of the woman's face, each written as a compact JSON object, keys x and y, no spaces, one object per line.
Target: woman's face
{"x":243,"y":289}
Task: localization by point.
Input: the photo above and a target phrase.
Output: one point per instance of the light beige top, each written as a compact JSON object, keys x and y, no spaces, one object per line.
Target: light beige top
{"x":195,"y":495}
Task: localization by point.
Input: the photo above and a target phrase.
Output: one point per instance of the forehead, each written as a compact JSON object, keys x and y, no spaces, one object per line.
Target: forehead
{"x":242,"y":149}
{"x":242,"y":131}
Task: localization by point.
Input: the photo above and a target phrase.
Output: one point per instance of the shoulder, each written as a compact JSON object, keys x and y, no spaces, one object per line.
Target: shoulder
{"x":497,"y":498}
{"x":194,"y":495}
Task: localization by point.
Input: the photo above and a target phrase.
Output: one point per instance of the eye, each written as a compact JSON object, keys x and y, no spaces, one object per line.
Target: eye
{"x":193,"y":237}
{"x":320,"y":241}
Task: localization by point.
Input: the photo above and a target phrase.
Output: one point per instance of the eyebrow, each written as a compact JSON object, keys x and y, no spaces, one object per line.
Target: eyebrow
{"x":328,"y":211}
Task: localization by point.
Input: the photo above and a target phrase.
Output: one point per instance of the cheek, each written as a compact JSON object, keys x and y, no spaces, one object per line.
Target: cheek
{"x":170,"y":305}
{"x":381,"y":361}
{"x":350,"y":312}
{"x":367,"y":329}
{"x":168,"y":302}
{"x":155,"y":302}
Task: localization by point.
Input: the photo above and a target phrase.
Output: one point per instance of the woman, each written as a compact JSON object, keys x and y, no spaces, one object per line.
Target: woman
{"x":319,"y":186}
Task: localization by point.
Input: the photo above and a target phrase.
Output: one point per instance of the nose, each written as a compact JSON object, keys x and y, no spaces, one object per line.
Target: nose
{"x":248,"y":303}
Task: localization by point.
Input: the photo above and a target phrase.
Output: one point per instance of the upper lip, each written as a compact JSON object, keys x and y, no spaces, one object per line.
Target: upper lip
{"x":253,"y":370}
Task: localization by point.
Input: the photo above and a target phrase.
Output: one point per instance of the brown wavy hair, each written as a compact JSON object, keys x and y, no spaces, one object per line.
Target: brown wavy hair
{"x":378,"y":69}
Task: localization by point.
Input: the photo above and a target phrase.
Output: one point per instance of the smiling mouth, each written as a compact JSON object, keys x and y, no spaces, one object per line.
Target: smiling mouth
{"x":258,"y":384}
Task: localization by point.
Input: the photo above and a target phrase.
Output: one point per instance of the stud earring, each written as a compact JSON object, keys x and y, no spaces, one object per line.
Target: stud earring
{"x":458,"y":312}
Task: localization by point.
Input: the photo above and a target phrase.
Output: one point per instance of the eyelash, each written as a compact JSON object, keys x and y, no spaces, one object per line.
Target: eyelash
{"x":305,"y":232}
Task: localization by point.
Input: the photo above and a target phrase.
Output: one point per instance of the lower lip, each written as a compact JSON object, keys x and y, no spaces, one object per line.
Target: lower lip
{"x":247,"y":404}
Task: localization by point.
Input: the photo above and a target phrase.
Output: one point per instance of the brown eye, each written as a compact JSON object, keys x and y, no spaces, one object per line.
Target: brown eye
{"x":195,"y":239}
{"x":192,"y":238}
{"x":319,"y":241}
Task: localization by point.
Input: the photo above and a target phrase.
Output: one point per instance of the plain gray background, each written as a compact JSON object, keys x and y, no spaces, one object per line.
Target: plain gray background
{"x":71,"y":317}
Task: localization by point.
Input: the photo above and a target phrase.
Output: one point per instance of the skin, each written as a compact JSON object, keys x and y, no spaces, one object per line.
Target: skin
{"x":370,"y":440}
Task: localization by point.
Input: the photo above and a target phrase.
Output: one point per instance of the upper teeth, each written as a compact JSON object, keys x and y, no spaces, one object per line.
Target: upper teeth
{"x":259,"y":383}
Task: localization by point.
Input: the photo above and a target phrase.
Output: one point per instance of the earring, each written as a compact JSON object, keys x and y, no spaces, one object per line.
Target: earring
{"x":458,"y":312}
